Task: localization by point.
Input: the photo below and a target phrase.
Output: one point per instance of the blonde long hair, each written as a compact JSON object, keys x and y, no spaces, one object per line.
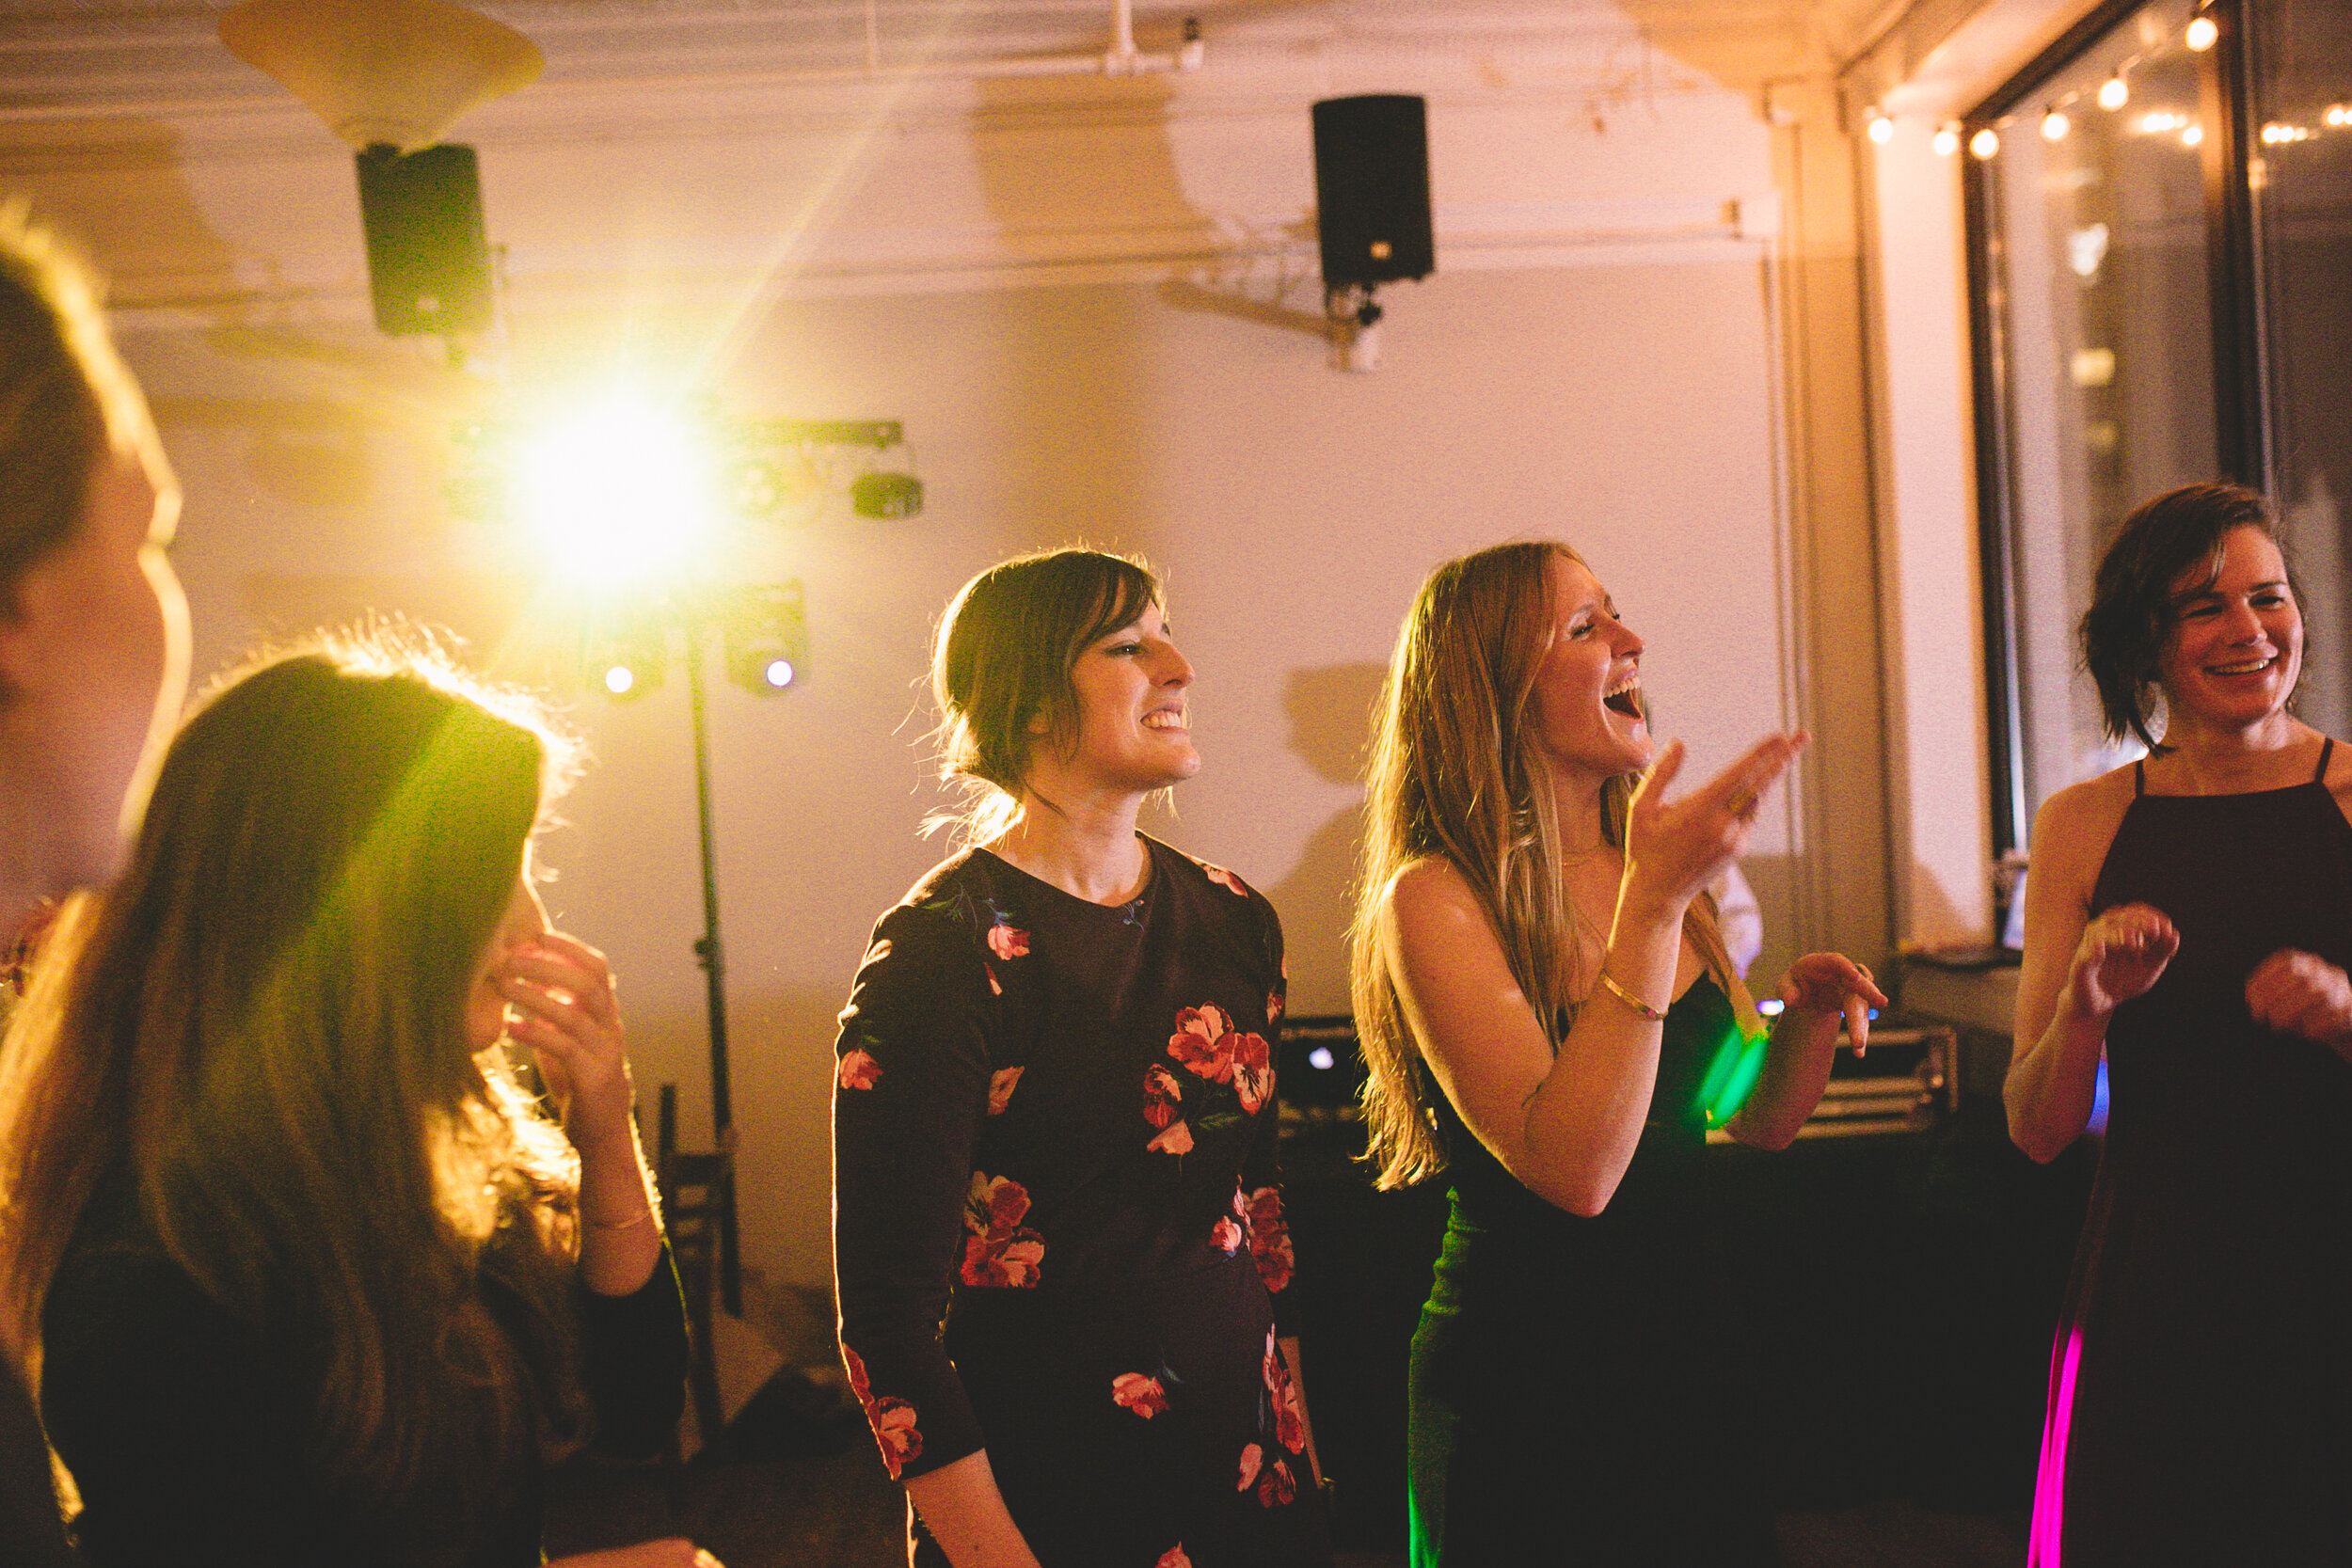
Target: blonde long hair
{"x":1452,"y":775}
{"x":261,"y":1030}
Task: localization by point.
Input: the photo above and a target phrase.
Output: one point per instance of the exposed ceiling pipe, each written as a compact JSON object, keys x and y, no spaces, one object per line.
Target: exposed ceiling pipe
{"x":1123,"y":58}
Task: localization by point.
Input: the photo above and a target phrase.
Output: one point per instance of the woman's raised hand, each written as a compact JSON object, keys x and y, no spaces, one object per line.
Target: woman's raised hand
{"x":2121,"y":954}
{"x":2295,"y":992}
{"x":1831,"y":983}
{"x":1674,"y":848}
{"x":566,"y":1010}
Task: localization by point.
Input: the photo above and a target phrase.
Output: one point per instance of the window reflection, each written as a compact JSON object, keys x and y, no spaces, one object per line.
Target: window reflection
{"x":2303,"y":105}
{"x":2099,"y":291}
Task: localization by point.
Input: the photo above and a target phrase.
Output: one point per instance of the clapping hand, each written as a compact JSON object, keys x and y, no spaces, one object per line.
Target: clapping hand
{"x":1674,"y":848}
{"x":1831,"y":983}
{"x":2121,"y":954}
{"x":2301,"y":993}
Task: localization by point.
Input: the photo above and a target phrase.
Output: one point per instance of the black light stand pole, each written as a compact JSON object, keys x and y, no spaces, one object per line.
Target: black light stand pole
{"x":713,"y":957}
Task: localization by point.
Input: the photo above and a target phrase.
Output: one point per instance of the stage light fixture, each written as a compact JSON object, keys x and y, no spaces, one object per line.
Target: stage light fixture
{"x":2202,"y":33}
{"x":1881,"y":128}
{"x":886,"y":495}
{"x":763,"y":631}
{"x":624,"y":658}
{"x":2114,"y":92}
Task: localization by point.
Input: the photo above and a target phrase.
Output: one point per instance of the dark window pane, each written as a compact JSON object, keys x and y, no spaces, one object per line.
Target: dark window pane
{"x":2303,"y":106}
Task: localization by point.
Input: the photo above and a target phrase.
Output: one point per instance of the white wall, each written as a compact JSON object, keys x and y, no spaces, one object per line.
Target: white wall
{"x":1092,"y":307}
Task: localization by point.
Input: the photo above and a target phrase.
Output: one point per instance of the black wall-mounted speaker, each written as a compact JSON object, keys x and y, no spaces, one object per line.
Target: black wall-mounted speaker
{"x":1372,"y":188}
{"x":428,"y":262}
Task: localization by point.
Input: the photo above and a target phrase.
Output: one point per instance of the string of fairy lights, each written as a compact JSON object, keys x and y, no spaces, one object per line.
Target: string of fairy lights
{"x":2113,"y":94}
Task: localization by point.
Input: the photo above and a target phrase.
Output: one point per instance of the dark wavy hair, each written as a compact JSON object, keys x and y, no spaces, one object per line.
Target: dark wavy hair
{"x":1003,"y":658}
{"x":2134,"y":609}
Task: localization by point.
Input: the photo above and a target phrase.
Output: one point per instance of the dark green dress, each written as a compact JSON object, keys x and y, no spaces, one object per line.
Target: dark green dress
{"x":1577,"y":1384}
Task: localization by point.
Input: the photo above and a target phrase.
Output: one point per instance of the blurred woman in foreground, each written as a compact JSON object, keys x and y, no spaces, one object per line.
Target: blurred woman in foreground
{"x":94,"y":664}
{"x":303,"y":1274}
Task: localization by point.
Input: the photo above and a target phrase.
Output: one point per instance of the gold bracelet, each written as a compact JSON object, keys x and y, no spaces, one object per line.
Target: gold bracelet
{"x":640,"y":1217}
{"x":1647,"y":1012}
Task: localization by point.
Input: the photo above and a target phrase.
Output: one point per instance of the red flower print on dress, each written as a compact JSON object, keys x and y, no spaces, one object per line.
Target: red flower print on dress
{"x":1254,"y":1071}
{"x":1161,"y":1095}
{"x":999,"y":1251}
{"x":1174,"y":1558}
{"x":1203,"y":1042}
{"x":1143,"y":1395}
{"x":993,"y":988}
{"x":1273,"y":1006}
{"x":1007,"y":941}
{"x":1290,"y":1415}
{"x":1226,"y":879}
{"x":1230,"y":1232}
{"x":1162,"y":1099}
{"x":1000,"y":1088}
{"x":1176,"y":1140}
{"x":1278,"y":1486}
{"x":893,"y":1419}
{"x":858,"y":1069}
{"x":1252,"y":1458}
{"x":1270,"y":1239}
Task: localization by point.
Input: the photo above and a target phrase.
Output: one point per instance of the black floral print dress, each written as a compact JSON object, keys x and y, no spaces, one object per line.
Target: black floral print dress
{"x":1057,"y":1226}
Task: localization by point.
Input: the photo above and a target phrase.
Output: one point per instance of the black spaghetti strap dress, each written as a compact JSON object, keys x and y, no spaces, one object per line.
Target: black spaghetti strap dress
{"x":2201,"y":1387}
{"x":1575,"y":1388}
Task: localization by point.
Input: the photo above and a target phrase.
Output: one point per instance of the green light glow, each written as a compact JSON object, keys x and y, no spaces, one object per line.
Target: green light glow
{"x":1731,"y":1077}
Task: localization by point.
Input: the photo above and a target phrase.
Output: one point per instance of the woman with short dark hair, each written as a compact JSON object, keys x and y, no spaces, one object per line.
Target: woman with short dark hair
{"x":1055,"y":1125}
{"x":2189,"y":916}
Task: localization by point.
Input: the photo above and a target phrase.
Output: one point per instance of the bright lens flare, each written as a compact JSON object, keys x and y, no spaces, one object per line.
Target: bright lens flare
{"x":618,"y":491}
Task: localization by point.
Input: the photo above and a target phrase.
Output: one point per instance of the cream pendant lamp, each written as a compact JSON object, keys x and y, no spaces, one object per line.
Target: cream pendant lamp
{"x":382,"y":72}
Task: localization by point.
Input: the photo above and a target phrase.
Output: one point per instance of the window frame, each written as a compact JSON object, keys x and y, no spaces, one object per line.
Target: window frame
{"x":2237,"y":295}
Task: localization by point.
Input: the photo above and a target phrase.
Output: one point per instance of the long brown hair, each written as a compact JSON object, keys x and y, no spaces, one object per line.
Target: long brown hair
{"x":1453,"y":774}
{"x":260,"y":1033}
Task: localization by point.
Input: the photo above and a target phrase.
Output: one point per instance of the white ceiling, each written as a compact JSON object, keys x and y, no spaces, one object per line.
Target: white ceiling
{"x":118,"y":55}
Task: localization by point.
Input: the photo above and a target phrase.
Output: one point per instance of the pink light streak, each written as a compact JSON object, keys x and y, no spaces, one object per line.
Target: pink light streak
{"x":2049,"y":1491}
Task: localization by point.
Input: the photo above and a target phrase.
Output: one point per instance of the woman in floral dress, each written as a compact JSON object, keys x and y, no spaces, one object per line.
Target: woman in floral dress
{"x":1058,"y":1231}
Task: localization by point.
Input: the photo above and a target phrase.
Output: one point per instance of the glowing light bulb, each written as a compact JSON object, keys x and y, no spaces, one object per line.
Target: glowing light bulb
{"x":2114,"y":92}
{"x":1947,"y":140}
{"x":619,"y":488}
{"x":620,"y":680}
{"x":778,"y":673}
{"x":1881,"y":130}
{"x":2193,"y":137}
{"x":2201,"y":34}
{"x":2055,"y":125}
{"x":1985,"y":143}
